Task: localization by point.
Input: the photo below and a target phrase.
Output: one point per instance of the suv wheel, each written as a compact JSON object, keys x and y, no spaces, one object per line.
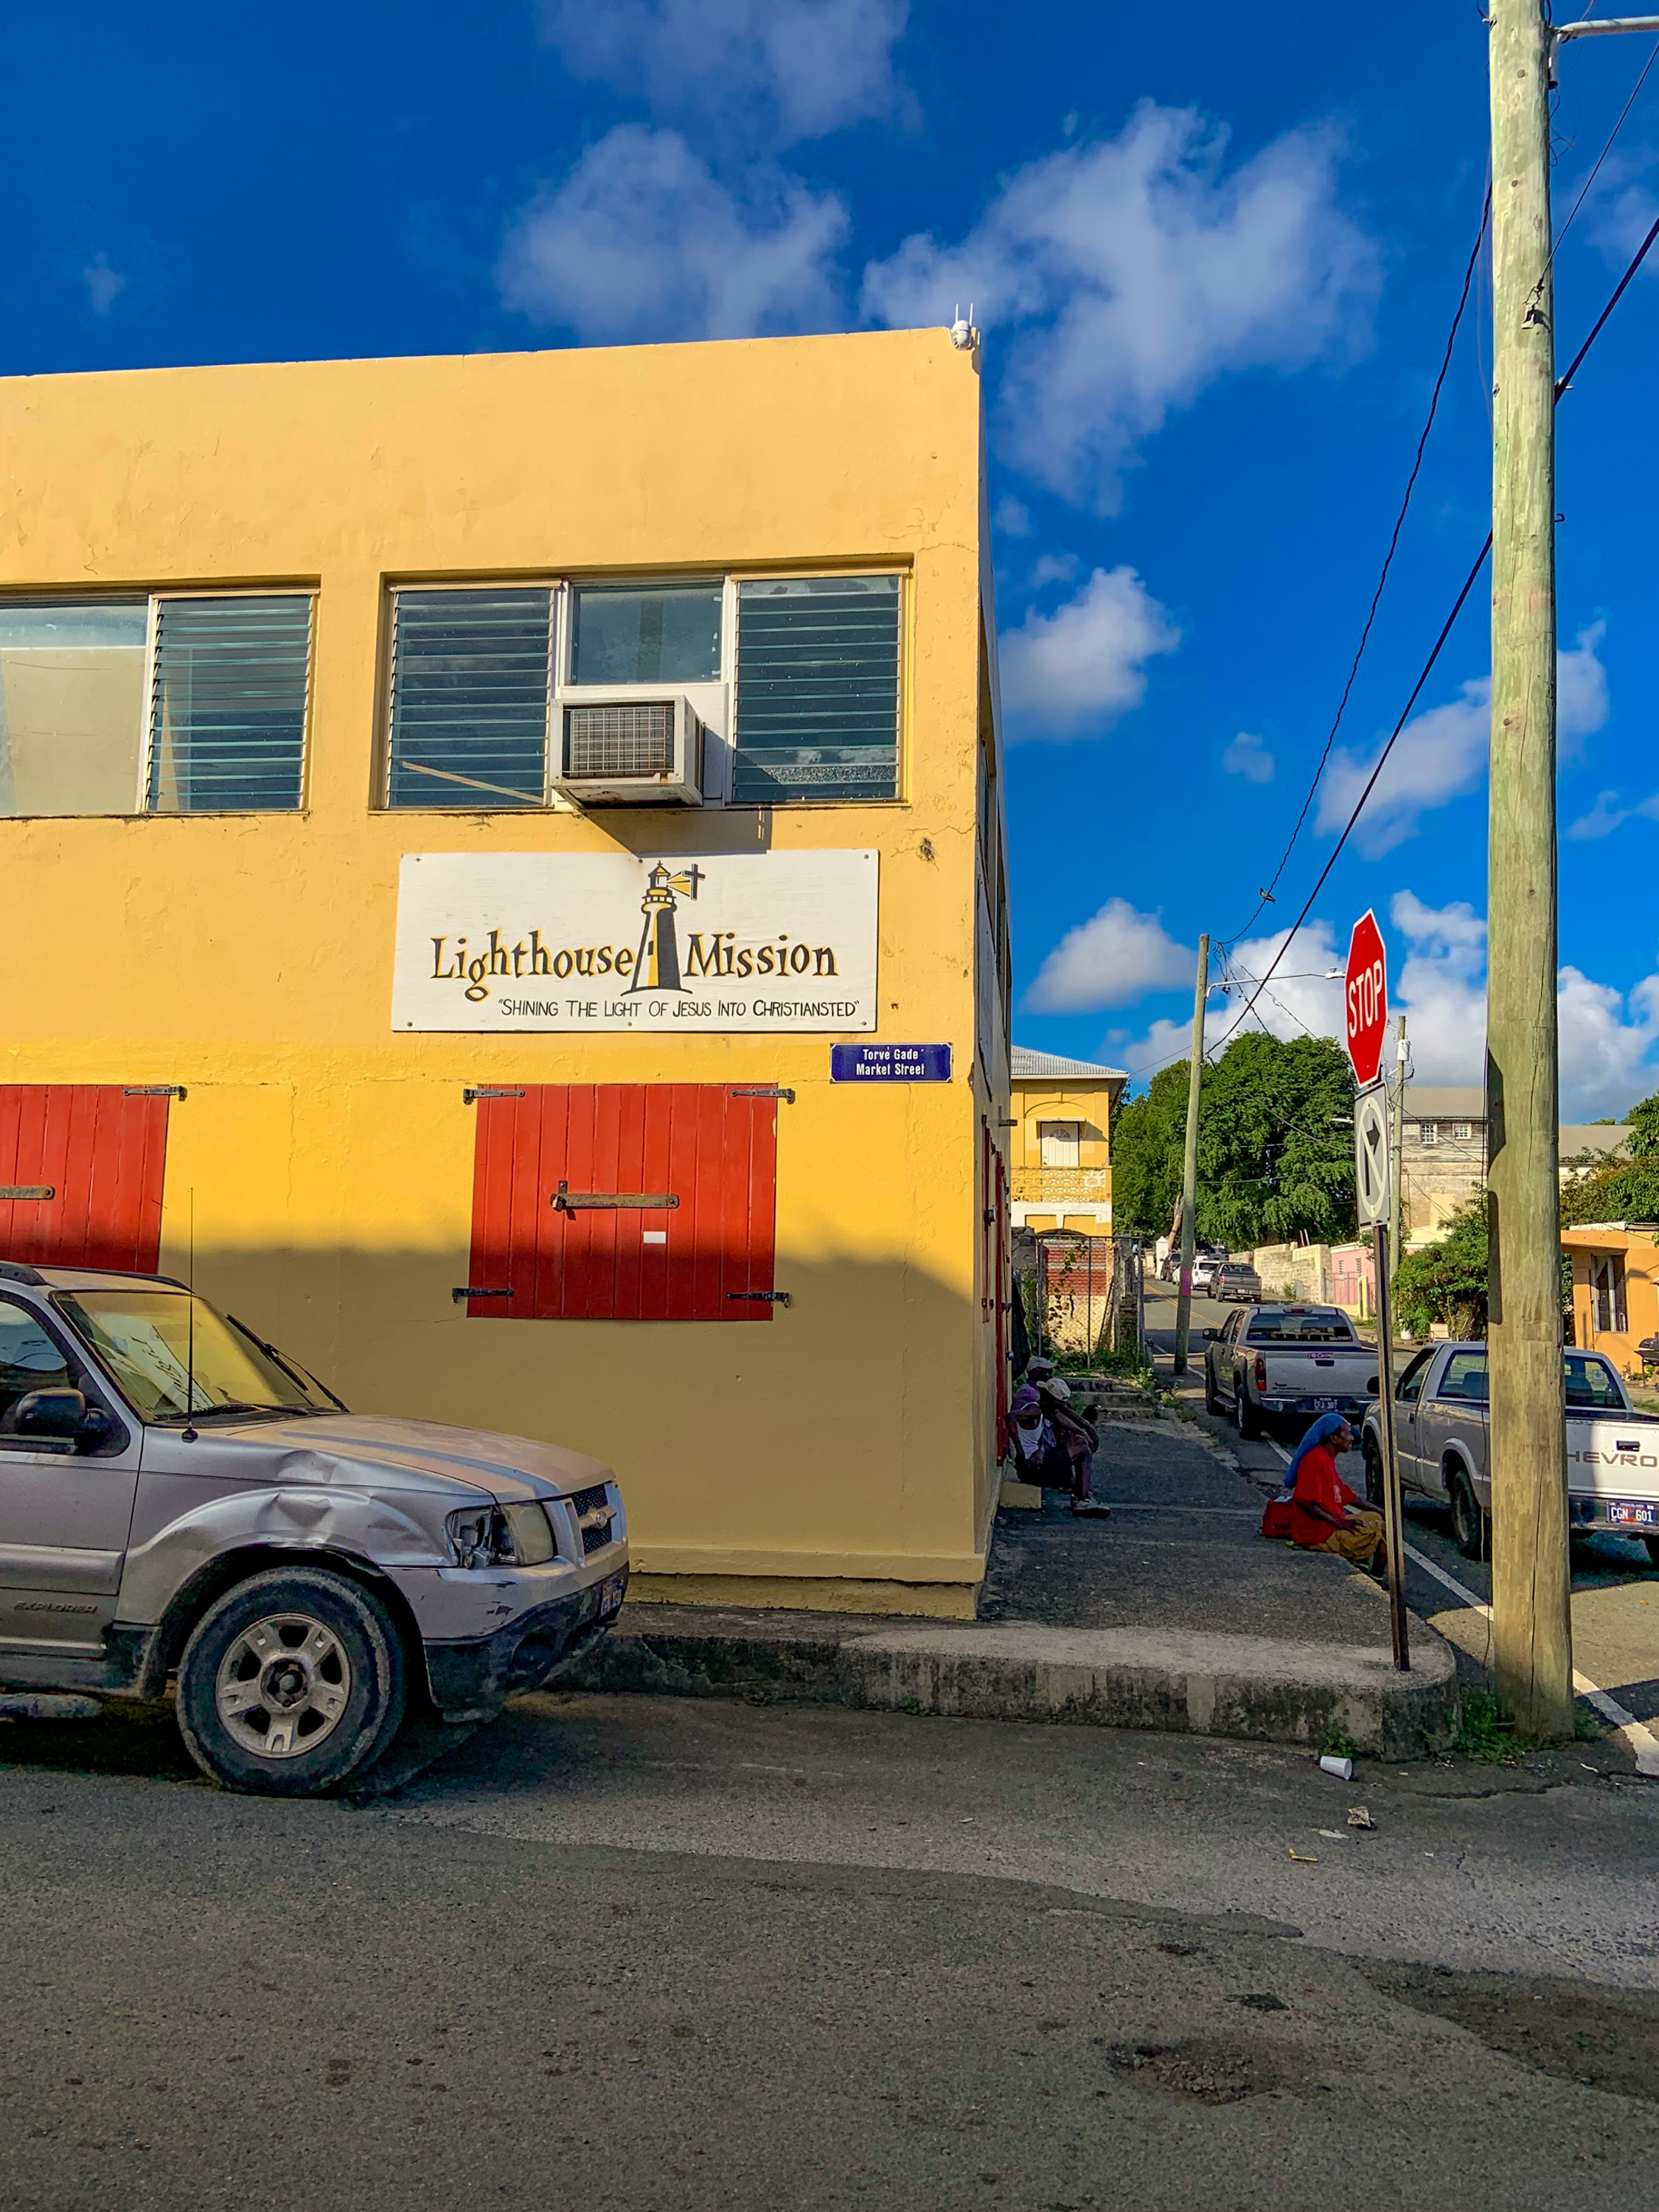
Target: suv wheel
{"x":1244,"y":1413}
{"x":291,"y":1684}
{"x":1374,"y":1484}
{"x":1469,"y":1522}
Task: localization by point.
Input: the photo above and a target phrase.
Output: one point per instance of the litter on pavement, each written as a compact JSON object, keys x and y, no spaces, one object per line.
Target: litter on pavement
{"x":1342,"y":1768}
{"x":1359,"y":1817}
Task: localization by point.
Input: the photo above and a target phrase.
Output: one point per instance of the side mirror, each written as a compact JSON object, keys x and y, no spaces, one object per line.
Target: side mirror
{"x":1210,"y":1335}
{"x":58,"y":1413}
{"x":1373,"y":1384}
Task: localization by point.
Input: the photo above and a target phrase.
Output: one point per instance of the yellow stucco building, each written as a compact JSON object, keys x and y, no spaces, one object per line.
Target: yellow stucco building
{"x":1615,"y":1288}
{"x":504,"y":855}
{"x":1061,"y":1149}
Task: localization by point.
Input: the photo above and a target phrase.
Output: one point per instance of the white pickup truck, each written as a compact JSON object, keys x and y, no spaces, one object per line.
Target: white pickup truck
{"x":1440,"y":1425}
{"x":1287,"y":1363}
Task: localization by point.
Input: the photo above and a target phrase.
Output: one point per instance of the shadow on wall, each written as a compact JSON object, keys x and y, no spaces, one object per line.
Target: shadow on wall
{"x":858,"y":1419}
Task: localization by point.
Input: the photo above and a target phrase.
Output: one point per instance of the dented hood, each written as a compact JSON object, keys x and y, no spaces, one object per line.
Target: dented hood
{"x":365,"y":1448}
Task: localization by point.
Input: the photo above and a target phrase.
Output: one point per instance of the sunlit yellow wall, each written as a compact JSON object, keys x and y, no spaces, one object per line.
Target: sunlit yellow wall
{"x":1640,"y":1251}
{"x":844,"y":1446}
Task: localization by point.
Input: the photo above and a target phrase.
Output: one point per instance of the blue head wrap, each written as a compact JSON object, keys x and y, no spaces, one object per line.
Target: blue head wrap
{"x":1320,"y":1432}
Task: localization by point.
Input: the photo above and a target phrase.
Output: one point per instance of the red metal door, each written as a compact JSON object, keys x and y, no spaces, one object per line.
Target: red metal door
{"x":706,"y":1154}
{"x":81,"y":1172}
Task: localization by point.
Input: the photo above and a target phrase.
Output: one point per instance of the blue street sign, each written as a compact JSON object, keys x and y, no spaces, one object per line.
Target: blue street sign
{"x":890,"y":1063}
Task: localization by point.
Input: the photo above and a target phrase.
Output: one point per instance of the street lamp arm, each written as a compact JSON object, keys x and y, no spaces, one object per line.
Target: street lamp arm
{"x":1589,"y":30}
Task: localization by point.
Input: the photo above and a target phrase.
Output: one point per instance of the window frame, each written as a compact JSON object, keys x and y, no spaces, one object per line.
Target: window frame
{"x":151,"y":599}
{"x":1608,"y":1295}
{"x":310,"y":594}
{"x":720,"y":748}
{"x":1072,"y":1122}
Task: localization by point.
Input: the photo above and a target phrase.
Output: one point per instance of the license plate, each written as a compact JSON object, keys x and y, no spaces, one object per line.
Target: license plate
{"x":1322,"y":1405}
{"x":1625,"y":1515}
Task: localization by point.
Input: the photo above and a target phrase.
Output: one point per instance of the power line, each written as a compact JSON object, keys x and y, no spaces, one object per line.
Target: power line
{"x":1584,"y":189}
{"x":1265,"y":899}
{"x":1563,"y":383}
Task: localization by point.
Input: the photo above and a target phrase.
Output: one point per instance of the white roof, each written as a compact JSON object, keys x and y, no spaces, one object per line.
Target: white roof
{"x":1053,"y":1063}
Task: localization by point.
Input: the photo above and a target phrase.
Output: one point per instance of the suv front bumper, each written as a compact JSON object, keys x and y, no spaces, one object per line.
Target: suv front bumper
{"x":470,"y":1677}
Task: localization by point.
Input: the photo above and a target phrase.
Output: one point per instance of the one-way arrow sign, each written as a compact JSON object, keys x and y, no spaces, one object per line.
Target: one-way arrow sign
{"x":1372,"y":1161}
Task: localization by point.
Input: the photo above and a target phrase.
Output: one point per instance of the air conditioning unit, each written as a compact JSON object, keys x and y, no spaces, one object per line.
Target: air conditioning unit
{"x":630,"y":752}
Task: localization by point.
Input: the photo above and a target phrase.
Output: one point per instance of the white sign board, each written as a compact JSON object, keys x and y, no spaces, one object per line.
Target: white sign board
{"x":1372,"y":1160}
{"x":538,"y":941}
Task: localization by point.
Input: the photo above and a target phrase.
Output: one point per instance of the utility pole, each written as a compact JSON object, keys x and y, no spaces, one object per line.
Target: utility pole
{"x":1189,"y":1172}
{"x":1532,"y":1628}
{"x":1397,"y":1150}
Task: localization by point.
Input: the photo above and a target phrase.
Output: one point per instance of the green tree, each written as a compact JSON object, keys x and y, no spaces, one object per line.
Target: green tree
{"x":1275,"y":1143}
{"x":1275,"y":1146}
{"x":1622,"y":1188}
{"x":1148,"y":1138}
{"x":1447,"y":1282}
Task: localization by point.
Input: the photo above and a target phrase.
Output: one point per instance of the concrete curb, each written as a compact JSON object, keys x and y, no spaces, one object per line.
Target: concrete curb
{"x":1193,"y":1684}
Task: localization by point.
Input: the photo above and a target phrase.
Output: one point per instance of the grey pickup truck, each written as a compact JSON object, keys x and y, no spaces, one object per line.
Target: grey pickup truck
{"x":1440,"y":1429}
{"x":178,"y":1501}
{"x":1285,"y":1363}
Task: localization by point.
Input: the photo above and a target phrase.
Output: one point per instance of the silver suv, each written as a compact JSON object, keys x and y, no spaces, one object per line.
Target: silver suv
{"x":179,"y":1499}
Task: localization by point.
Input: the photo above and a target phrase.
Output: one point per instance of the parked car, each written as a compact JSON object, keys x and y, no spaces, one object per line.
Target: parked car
{"x":1274,"y":1362}
{"x":178,"y":1500}
{"x":1206,"y":1265}
{"x":1237,"y":1280}
{"x":1440,"y":1433}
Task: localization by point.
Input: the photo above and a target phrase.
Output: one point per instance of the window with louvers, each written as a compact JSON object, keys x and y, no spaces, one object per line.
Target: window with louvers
{"x":229,"y":704}
{"x":818,"y":688}
{"x":469,"y":679}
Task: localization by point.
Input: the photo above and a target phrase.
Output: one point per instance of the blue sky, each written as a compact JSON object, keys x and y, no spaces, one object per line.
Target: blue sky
{"x":1214,"y":255}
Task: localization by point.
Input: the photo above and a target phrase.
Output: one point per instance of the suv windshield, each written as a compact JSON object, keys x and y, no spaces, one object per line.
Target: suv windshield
{"x":1302,"y":1329}
{"x":174,"y":1357}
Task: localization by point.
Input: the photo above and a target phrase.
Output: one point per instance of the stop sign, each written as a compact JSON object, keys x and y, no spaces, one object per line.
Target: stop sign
{"x":1365,"y":994}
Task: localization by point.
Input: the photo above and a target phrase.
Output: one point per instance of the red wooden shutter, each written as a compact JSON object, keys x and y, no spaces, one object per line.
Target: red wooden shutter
{"x":101,"y":1152}
{"x":712,"y":1148}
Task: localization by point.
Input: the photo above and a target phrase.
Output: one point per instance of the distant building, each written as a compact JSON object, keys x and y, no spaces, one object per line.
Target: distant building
{"x":1615,"y":1288}
{"x":1060,"y":1159}
{"x":1444,"y":1156}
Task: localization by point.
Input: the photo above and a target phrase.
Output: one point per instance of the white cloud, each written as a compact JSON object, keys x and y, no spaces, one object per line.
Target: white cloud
{"x":642,"y":241}
{"x":1442,"y":754}
{"x":1442,"y":987}
{"x":1054,"y":569}
{"x":1071,"y":673}
{"x":1114,"y":957}
{"x":1248,"y":756}
{"x":1609,"y":1039}
{"x":1132,"y":273}
{"x":103,"y":284}
{"x":1012,"y":517}
{"x":1581,"y":691}
{"x":1603,"y":818}
{"x":1606,"y":815}
{"x":791,"y":69}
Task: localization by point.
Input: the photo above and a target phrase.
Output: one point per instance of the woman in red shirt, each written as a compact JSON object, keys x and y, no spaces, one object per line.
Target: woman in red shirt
{"x":1325,"y":1516}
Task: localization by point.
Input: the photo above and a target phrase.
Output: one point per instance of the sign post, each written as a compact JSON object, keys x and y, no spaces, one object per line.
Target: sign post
{"x":1365,"y":995}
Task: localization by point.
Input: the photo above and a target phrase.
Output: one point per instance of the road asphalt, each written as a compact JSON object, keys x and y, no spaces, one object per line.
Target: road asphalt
{"x":634,"y":1951}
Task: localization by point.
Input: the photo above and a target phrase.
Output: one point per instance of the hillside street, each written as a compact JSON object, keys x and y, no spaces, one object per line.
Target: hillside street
{"x":1615,"y":1587}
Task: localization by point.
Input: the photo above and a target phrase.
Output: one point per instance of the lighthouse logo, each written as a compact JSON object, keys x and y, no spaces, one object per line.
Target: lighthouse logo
{"x":657,"y":964}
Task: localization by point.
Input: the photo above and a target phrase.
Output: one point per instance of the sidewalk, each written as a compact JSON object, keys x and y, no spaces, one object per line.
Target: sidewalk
{"x":1172,"y":1614}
